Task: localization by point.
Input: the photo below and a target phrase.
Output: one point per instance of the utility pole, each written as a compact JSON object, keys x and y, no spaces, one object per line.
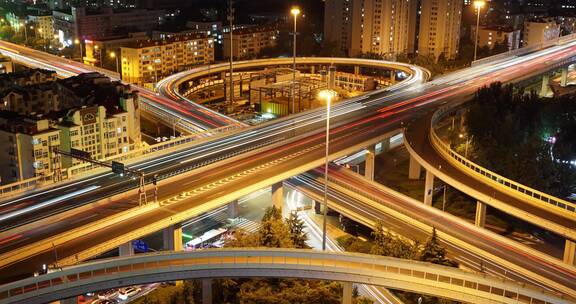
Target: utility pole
{"x":231,"y":23}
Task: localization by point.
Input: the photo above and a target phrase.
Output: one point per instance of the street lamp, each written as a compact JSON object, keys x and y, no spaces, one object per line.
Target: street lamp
{"x":478,"y":5}
{"x":113,"y":55}
{"x":468,"y":140}
{"x":77,"y":42}
{"x":96,"y":48}
{"x":295,"y":11}
{"x":327,"y":95}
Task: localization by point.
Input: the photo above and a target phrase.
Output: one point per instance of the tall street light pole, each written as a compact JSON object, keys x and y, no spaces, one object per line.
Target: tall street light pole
{"x":113,"y":55}
{"x":231,"y":23}
{"x":327,"y":95}
{"x":478,"y":5}
{"x":295,"y":12}
{"x":79,"y":44}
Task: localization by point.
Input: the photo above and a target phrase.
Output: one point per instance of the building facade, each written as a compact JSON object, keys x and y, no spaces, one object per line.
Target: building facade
{"x":439,"y":32}
{"x":540,"y":31}
{"x":248,"y":42}
{"x":489,"y":36}
{"x":43,"y":25}
{"x":27,"y":145}
{"x":147,"y":61}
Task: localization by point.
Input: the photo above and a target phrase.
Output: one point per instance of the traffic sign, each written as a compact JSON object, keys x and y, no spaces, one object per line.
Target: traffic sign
{"x":140,"y":245}
{"x":117,"y":167}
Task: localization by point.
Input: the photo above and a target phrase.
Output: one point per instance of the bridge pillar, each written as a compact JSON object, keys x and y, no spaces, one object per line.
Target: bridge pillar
{"x":428,"y":188}
{"x":564,"y":77}
{"x":414,"y":169}
{"x":313,"y":69}
{"x":233,"y":209}
{"x":392,"y":77}
{"x":369,"y":164}
{"x":356,"y":70}
{"x":172,"y":237}
{"x":385,"y":145}
{"x":544,"y":89}
{"x":570,"y":252}
{"x":347,"y":291}
{"x":126,"y":249}
{"x":206,"y":291}
{"x":480,"y":219}
{"x":278,"y":195}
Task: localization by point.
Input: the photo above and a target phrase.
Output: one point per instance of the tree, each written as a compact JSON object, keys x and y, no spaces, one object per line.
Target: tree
{"x":435,"y":253}
{"x":387,"y":244}
{"x":296,"y":227}
{"x":272,"y":213}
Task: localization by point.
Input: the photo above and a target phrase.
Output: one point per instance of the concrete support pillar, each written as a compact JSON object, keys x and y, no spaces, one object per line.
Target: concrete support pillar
{"x":369,"y":162}
{"x":564,"y":77}
{"x":172,"y":237}
{"x":414,"y":169}
{"x":347,"y":291}
{"x":233,"y":209}
{"x":206,"y":291}
{"x":428,"y":188}
{"x":385,"y":145}
{"x":332,"y":77}
{"x":570,"y":252}
{"x":126,"y":249}
{"x":480,"y":220}
{"x":278,"y":195}
{"x":545,"y":81}
{"x":392,"y":77}
{"x":356,"y":70}
{"x":313,"y":69}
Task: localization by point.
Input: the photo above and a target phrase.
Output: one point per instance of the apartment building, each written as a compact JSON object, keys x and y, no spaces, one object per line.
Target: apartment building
{"x":80,"y":23}
{"x":38,"y":98}
{"x":386,"y":27}
{"x":538,"y":31}
{"x":489,"y":36}
{"x":43,"y":25}
{"x":146,"y":61}
{"x":27,"y":144}
{"x":439,"y":32}
{"x":27,"y":77}
{"x":248,"y":42}
{"x":6,"y":65}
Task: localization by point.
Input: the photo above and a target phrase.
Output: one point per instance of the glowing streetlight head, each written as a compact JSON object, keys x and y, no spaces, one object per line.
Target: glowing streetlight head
{"x":76,"y":41}
{"x":150,"y":68}
{"x":96,"y":47}
{"x":327,"y":95}
{"x":461,"y":135}
{"x":112,"y":54}
{"x":295,"y":11}
{"x":479,"y":4}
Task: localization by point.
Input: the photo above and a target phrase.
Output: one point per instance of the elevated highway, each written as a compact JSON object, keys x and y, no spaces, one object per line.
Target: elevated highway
{"x":423,"y":278}
{"x":367,"y":202}
{"x":236,"y":165}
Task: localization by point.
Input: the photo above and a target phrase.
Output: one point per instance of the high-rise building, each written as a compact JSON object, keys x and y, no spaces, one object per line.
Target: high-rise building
{"x":386,"y":27}
{"x":439,"y":33}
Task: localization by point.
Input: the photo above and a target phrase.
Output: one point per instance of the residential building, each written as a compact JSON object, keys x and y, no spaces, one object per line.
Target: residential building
{"x":43,"y":25}
{"x":97,"y":49}
{"x":146,"y":61}
{"x":38,"y":98}
{"x":27,"y":144}
{"x":439,"y":32}
{"x":248,"y":42}
{"x":26,"y":77}
{"x":489,"y":36}
{"x":386,"y":27}
{"x":6,"y":65}
{"x":540,"y":31}
{"x":83,"y":24}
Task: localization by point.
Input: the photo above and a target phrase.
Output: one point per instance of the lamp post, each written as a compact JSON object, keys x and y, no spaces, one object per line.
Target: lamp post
{"x":295,"y":11}
{"x":23,"y":24}
{"x":468,"y":140}
{"x":327,"y":95}
{"x":113,"y":55}
{"x":478,"y":5}
{"x":77,"y":42}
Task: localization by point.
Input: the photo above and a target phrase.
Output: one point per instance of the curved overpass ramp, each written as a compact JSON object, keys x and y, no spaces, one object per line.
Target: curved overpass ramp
{"x":426,"y":278}
{"x":169,"y":86}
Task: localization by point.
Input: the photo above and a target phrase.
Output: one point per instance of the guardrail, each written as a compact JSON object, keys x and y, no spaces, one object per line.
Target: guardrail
{"x":395,"y":273}
{"x":525,"y":50}
{"x":488,"y":176}
{"x":89,"y":168}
